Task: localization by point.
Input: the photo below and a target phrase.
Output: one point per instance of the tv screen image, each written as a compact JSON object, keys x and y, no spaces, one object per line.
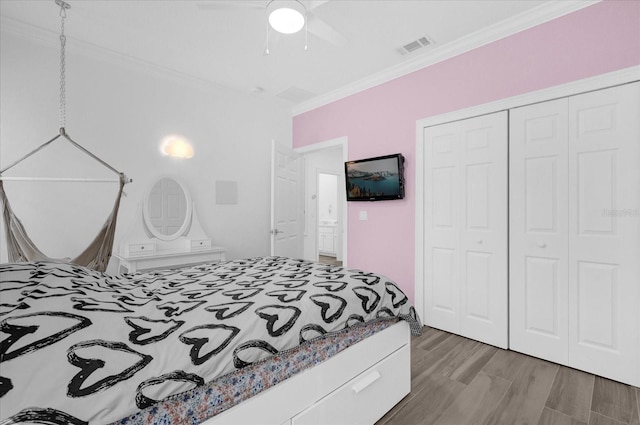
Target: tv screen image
{"x":375,"y":179}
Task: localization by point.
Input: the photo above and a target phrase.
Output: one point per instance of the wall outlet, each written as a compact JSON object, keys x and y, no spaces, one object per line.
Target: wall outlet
{"x":363,"y":215}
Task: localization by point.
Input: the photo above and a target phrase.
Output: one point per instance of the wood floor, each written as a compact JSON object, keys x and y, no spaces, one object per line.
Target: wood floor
{"x":332,"y":261}
{"x":458,"y":381}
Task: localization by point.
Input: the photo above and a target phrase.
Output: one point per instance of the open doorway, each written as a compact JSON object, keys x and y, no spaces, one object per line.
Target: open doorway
{"x":327,"y":203}
{"x":325,"y":234}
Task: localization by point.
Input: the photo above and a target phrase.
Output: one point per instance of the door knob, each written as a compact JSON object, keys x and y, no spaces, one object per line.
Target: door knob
{"x":542,"y":244}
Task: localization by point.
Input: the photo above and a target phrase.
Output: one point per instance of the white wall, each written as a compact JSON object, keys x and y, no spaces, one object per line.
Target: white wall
{"x":120,"y":112}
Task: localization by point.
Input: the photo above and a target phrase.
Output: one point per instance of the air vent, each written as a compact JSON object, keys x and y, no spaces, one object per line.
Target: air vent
{"x":415,"y":45}
{"x":295,"y":94}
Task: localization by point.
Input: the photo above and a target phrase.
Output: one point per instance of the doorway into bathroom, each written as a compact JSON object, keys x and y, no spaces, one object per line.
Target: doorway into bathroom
{"x":328,"y":213}
{"x":326,"y":158}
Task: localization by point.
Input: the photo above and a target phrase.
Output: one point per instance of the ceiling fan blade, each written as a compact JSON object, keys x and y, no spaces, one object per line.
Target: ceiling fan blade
{"x":312,"y":4}
{"x":230,"y":4}
{"x":320,"y":28}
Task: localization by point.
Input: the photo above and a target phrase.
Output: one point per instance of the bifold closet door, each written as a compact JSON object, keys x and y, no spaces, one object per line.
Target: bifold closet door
{"x":538,"y":239}
{"x":466,"y":228}
{"x":574,"y":276}
{"x":604,"y":232}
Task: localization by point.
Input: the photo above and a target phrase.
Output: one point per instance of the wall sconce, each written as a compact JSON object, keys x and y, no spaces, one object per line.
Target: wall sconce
{"x":176,"y":146}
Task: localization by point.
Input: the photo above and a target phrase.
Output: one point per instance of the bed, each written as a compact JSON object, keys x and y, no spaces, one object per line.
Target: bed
{"x":256,"y":341}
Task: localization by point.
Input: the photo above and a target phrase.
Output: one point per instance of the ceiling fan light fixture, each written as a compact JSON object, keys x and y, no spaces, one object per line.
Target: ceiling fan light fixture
{"x":286,"y":16}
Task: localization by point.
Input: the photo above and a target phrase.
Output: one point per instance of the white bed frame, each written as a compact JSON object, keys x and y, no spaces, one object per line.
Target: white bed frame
{"x":356,"y":386}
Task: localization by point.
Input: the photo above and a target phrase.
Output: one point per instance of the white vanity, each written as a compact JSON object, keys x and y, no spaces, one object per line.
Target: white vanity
{"x":166,"y":232}
{"x":327,"y":237}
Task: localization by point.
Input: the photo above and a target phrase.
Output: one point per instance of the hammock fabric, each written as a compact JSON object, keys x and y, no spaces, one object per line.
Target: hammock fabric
{"x":21,"y":249}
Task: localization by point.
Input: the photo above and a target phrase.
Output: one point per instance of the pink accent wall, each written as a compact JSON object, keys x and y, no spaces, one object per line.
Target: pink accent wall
{"x":382,"y":120}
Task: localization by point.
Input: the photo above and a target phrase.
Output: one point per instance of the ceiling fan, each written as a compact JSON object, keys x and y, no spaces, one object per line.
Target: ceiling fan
{"x":297,"y":10}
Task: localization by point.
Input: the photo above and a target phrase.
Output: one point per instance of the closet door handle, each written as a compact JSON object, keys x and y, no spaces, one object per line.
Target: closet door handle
{"x":480,"y":241}
{"x":542,"y":244}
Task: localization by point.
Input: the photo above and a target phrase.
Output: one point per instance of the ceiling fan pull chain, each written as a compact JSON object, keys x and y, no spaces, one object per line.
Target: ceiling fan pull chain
{"x":266,"y":20}
{"x":306,"y":30}
{"x":63,"y":41}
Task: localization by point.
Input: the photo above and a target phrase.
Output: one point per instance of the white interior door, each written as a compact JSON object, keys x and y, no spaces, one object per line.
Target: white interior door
{"x":287,"y":203}
{"x":483,"y":263}
{"x":466,"y":228}
{"x":604,"y":232}
{"x":442,"y":227}
{"x":538,"y":223}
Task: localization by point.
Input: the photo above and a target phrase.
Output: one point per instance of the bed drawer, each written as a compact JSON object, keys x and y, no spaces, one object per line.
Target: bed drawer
{"x":366,"y":398}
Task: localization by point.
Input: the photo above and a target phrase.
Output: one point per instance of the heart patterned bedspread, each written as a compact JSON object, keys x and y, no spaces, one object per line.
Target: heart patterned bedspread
{"x":82,"y":346}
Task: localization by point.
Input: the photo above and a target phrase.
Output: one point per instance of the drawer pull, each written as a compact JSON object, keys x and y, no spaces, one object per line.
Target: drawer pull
{"x":366,"y":381}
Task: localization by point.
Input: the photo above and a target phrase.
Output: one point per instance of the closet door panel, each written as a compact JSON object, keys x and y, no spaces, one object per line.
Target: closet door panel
{"x":442,"y":229}
{"x":604,"y":232}
{"x":484,"y":301}
{"x":538,"y":267}
{"x":466,"y":228}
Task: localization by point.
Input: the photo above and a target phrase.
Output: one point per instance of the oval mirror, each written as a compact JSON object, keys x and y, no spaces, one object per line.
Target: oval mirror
{"x":167,"y":209}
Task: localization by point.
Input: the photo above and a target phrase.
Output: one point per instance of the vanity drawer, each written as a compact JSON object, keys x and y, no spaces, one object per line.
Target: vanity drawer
{"x":197,"y":244}
{"x":139,"y":249}
{"x":367,"y":397}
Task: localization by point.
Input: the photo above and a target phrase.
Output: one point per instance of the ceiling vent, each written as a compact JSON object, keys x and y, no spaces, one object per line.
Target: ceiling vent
{"x":295,"y":94}
{"x":418,"y":44}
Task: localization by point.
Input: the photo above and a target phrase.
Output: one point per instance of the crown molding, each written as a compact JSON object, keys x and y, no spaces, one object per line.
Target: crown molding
{"x":51,"y":39}
{"x":539,"y":15}
{"x":571,"y":88}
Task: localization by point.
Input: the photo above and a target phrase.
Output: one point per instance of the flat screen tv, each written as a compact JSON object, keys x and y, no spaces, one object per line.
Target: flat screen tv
{"x":375,"y":179}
